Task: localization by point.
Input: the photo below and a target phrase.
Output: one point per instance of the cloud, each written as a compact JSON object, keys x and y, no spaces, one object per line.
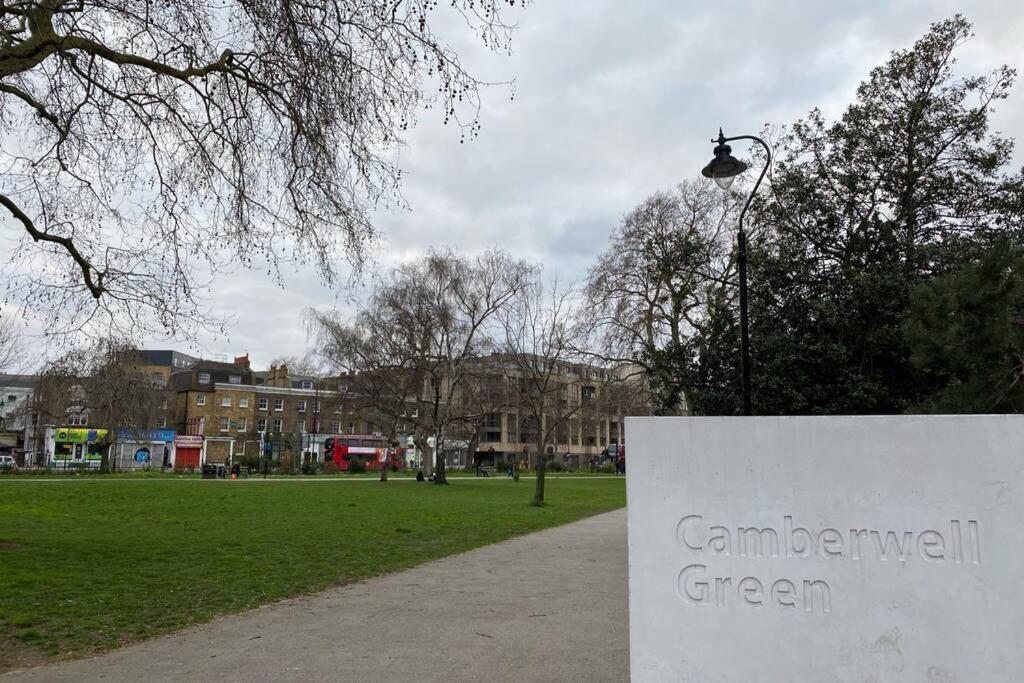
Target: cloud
{"x":613,"y":101}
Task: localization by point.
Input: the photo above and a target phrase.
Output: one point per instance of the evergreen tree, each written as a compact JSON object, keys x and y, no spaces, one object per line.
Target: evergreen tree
{"x":900,"y":190}
{"x":965,"y":331}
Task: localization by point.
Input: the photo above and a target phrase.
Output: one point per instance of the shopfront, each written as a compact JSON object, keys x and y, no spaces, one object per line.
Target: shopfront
{"x":145,"y":449}
{"x":187,"y":450}
{"x":78,"y":447}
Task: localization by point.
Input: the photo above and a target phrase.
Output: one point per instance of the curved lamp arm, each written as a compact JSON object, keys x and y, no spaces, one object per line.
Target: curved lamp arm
{"x":767,"y":163}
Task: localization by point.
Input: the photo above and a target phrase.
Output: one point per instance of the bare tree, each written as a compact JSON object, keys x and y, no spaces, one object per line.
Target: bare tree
{"x":541,"y":344}
{"x":12,"y":348}
{"x":416,"y":346}
{"x":651,"y":288}
{"x":308,"y":364}
{"x":107,"y":384}
{"x":147,"y":144}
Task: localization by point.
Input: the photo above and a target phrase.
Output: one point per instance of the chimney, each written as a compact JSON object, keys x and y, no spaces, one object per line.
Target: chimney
{"x":278,"y":376}
{"x":243,"y":360}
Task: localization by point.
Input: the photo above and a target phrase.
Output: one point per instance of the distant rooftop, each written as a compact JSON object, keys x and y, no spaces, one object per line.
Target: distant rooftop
{"x":167,"y":357}
{"x":20,"y":381}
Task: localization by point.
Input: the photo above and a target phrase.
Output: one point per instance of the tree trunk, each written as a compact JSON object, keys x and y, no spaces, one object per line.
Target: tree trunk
{"x":542,"y":465}
{"x":106,"y":457}
{"x":440,"y":476}
{"x":388,"y":450}
{"x":427,"y":459}
{"x":471,"y":449}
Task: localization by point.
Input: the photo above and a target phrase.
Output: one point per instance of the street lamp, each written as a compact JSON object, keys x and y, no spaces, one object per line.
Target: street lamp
{"x":723,"y":169}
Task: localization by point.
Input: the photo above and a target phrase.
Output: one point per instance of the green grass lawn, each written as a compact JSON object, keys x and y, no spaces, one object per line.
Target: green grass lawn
{"x":88,"y":565}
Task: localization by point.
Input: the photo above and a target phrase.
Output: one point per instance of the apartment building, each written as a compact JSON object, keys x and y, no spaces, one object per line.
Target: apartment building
{"x":16,"y":415}
{"x":235,"y":413}
{"x":582,"y":420}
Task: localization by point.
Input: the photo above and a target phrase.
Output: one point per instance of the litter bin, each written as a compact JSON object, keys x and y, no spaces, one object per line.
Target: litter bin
{"x":209,"y":471}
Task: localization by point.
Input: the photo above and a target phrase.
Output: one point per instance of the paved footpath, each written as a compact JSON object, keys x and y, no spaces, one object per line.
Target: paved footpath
{"x":550,"y":606}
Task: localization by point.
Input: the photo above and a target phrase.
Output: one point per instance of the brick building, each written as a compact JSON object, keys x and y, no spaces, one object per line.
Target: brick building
{"x":235,"y":411}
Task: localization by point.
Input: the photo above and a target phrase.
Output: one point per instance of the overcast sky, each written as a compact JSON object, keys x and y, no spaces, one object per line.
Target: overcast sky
{"x":613,"y":101}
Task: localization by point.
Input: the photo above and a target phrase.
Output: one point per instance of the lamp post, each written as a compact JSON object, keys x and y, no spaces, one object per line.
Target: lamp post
{"x":724,"y":168}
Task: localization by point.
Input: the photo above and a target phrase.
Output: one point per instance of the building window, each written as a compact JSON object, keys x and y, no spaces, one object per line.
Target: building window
{"x":161,"y":422}
{"x":225,"y":401}
{"x":415,"y":412}
{"x":278,"y":404}
{"x":340,"y":408}
{"x":307,"y":384}
{"x":263,"y":404}
{"x":158,"y":379}
{"x":261,"y":424}
{"x":301,"y":406}
{"x":243,"y":403}
{"x":316,"y":426}
{"x":241,"y":424}
{"x":235,"y":379}
{"x":351,"y":428}
{"x":200,"y":399}
{"x":78,"y":420}
{"x":300,"y":426}
{"x":204,"y":378}
{"x":316,"y":407}
{"x":163,"y":404}
{"x":277,"y":425}
{"x":335,"y":427}
{"x":224,"y":424}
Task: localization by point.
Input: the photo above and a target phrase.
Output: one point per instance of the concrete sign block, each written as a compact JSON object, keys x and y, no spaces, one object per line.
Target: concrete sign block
{"x":826,"y":548}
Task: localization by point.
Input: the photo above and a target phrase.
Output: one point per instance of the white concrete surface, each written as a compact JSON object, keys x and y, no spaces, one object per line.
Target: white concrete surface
{"x":826,"y":549}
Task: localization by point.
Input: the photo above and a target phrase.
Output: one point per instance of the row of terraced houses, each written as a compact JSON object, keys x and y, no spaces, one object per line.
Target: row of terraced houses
{"x":224,"y":412}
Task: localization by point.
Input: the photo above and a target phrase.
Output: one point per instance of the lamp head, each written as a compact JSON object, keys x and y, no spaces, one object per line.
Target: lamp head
{"x":724,"y":167}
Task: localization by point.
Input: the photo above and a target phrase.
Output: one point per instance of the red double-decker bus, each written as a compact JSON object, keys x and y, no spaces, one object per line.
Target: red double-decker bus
{"x":371,"y":449}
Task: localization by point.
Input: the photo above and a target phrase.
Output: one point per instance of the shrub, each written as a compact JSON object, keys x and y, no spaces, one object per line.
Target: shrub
{"x":331,"y":467}
{"x":607,"y":468}
{"x":287,"y":463}
{"x":556,"y":466}
{"x":356,"y":466}
{"x":253,"y":462}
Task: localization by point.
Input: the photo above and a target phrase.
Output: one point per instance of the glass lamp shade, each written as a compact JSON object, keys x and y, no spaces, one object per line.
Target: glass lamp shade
{"x":724,"y":182}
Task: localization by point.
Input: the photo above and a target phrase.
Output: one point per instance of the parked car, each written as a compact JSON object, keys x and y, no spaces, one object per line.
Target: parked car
{"x":7,"y":462}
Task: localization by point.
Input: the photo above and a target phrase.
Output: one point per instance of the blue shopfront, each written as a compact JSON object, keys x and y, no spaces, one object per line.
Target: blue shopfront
{"x":144,"y":449}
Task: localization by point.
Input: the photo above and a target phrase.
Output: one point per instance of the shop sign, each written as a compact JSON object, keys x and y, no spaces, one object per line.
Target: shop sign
{"x":73,"y":435}
{"x":142,"y":435}
{"x":188,"y":441}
